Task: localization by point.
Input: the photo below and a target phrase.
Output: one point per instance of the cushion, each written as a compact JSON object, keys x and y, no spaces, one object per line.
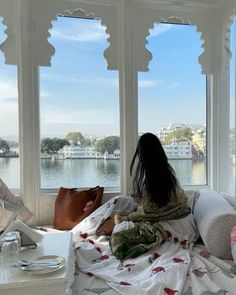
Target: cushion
{"x":71,"y":206}
{"x":8,"y":196}
{"x":233,"y":243}
{"x":215,"y":218}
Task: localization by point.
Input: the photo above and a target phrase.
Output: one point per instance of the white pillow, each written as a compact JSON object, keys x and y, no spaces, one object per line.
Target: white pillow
{"x":8,"y":196}
{"x":215,"y":218}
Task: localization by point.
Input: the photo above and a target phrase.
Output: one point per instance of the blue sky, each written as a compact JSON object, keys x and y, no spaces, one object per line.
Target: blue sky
{"x":78,"y":93}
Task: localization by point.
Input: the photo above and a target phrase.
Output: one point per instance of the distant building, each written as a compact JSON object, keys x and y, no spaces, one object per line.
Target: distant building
{"x":115,"y":155}
{"x":78,"y":152}
{"x":199,"y":141}
{"x":87,"y":152}
{"x":178,"y":151}
{"x":182,"y":147}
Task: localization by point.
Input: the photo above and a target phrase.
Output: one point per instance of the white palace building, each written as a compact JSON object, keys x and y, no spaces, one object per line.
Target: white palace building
{"x":87,"y":152}
{"x":173,"y":151}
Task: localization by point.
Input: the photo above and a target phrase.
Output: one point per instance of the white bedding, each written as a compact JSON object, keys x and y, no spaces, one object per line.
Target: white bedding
{"x":176,"y":267}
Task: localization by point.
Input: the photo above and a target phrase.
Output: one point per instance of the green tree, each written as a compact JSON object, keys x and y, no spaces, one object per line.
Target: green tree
{"x":75,"y":137}
{"x":4,"y":146}
{"x":52,"y":145}
{"x":87,"y":142}
{"x":109,"y":143}
{"x":13,"y":144}
{"x":179,"y":135}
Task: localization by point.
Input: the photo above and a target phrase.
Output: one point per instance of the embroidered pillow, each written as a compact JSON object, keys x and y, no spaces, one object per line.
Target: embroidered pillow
{"x":233,"y":243}
{"x":215,"y":218}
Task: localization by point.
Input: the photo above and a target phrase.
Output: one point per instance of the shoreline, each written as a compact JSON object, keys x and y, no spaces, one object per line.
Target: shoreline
{"x":8,"y":156}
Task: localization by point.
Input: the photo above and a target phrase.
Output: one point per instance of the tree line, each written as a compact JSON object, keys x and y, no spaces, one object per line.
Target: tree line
{"x":109,"y":143}
{"x":4,"y":146}
{"x":53,"y":145}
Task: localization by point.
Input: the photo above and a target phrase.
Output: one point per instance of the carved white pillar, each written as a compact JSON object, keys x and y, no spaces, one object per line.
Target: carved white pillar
{"x":221,"y":106}
{"x":28,"y":106}
{"x":128,"y":92}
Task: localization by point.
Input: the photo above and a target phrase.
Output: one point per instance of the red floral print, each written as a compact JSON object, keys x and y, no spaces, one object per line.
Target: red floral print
{"x":89,"y":274}
{"x":199,"y":273}
{"x":104,"y":257}
{"x":125,"y":283}
{"x":177,"y":260}
{"x":184,"y":243}
{"x":99,"y":249}
{"x":84,"y":235}
{"x":156,"y":255}
{"x":158,"y":269}
{"x":169,"y":234}
{"x":169,"y":291}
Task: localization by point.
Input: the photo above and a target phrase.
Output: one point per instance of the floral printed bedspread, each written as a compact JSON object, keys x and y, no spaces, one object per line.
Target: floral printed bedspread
{"x":178,"y":266}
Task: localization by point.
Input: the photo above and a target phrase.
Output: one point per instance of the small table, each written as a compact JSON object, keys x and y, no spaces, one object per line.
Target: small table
{"x":17,"y":282}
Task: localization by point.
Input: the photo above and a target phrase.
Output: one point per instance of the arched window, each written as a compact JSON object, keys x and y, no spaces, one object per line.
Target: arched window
{"x":79,"y":108}
{"x":172,"y":99}
{"x":9,"y":125}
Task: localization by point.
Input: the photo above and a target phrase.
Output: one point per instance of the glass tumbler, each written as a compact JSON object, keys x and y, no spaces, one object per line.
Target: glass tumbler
{"x":10,"y":248}
{"x":17,"y":234}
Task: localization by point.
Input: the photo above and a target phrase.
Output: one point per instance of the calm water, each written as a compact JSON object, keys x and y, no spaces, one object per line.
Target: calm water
{"x":91,"y":172}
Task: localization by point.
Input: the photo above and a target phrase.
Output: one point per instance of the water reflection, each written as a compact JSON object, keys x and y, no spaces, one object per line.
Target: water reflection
{"x":10,"y":171}
{"x":92,"y":172}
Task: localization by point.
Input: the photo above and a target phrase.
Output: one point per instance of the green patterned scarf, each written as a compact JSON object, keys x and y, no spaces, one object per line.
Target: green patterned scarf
{"x":147,"y":233}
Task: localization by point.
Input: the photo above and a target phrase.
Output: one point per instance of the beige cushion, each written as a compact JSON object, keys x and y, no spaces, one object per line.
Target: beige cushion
{"x":215,"y":218}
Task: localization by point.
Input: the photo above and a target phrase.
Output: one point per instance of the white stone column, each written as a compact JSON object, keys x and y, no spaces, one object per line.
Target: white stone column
{"x":128,"y":92}
{"x":221,"y":109}
{"x":28,"y":106}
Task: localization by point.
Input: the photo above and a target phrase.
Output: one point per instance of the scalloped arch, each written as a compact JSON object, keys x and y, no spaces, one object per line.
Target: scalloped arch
{"x":3,"y":23}
{"x":5,"y":42}
{"x":180,"y":20}
{"x":226,"y":40}
{"x":83,"y":13}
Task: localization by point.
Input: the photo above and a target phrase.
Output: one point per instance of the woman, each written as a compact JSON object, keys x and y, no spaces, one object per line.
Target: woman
{"x":159,"y":197}
{"x":163,"y":224}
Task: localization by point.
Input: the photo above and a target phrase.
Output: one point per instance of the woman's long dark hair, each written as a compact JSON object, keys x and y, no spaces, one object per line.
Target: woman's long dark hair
{"x":153,"y":174}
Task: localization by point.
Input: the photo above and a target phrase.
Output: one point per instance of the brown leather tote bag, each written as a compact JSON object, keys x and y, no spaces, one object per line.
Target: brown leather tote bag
{"x":70,"y":204}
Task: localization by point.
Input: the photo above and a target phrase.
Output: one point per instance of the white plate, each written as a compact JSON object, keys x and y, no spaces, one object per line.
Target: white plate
{"x":44,"y":269}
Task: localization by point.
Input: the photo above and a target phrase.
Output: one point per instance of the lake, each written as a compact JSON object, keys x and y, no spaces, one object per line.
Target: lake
{"x":92,"y":172}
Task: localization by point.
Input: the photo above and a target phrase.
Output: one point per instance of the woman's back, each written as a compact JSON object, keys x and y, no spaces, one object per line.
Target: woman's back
{"x":153,"y":175}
